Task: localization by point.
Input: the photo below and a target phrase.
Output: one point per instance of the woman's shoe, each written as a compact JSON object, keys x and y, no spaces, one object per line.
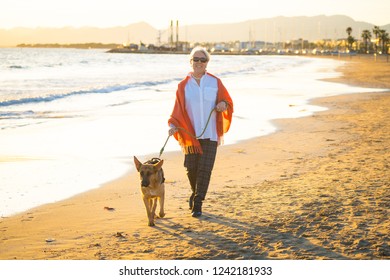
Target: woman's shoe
{"x":197,"y":209}
{"x":196,"y":214}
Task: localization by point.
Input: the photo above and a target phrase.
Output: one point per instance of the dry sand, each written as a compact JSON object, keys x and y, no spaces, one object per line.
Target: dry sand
{"x":319,"y":188}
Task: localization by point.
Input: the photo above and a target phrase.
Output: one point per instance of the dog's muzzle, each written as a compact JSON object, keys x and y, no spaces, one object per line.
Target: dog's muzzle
{"x":145,"y":183}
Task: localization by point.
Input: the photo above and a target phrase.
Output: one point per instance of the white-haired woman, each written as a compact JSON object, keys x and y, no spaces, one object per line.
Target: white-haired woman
{"x":202,"y":113}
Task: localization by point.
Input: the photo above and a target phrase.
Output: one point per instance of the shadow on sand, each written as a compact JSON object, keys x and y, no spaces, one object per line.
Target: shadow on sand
{"x":218,"y":237}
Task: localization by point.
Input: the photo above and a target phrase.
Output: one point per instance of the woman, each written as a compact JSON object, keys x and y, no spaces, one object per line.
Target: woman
{"x":201,"y":115}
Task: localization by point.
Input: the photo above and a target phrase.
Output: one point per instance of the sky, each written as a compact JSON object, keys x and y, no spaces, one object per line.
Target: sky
{"x":159,"y":13}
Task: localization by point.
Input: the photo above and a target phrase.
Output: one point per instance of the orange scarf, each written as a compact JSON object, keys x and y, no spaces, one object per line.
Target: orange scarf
{"x":180,"y":118}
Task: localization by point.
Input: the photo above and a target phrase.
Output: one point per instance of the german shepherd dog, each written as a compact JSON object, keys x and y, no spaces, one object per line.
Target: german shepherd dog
{"x":152,"y":186}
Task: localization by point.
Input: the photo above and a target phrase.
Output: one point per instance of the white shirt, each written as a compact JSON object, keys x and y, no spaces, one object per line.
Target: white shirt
{"x":200,"y":100}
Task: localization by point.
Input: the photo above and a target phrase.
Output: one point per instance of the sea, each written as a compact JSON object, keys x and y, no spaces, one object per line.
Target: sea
{"x":72,"y":119}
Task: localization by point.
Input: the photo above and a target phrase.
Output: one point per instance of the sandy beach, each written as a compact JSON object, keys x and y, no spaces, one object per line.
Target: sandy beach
{"x":319,"y":188}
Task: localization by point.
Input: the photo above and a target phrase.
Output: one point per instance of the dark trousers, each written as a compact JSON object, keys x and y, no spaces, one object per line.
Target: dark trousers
{"x":199,"y":168}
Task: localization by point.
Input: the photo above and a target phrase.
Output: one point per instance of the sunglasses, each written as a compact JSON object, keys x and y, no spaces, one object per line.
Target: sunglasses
{"x":201,"y":59}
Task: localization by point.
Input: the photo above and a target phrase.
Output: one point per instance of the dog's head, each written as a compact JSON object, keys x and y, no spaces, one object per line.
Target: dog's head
{"x":149,"y":171}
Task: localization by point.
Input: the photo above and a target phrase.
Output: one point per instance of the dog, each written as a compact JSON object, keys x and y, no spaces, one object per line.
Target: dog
{"x":152,"y":186}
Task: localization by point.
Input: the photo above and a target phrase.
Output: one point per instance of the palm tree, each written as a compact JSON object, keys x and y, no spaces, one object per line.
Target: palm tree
{"x":349,"y":31}
{"x":384,"y":39}
{"x":350,"y":39}
{"x":366,"y":36}
{"x":376,"y":32}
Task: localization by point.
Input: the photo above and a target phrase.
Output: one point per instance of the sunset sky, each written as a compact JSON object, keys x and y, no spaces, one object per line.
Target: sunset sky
{"x":108,"y":13}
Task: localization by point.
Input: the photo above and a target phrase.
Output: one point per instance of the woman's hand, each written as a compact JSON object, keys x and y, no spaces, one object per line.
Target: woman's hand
{"x":221,"y":106}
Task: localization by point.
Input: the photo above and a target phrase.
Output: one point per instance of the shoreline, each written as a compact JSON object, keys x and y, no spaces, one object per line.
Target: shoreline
{"x":249,"y":213}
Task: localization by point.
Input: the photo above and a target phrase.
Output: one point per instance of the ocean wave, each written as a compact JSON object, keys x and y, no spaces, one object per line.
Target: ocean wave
{"x":16,"y":67}
{"x":242,"y":71}
{"x":30,"y":114}
{"x":103,"y":90}
{"x":16,"y":115}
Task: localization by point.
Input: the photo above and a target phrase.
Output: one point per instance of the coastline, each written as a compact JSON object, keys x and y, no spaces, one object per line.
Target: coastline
{"x":321,"y":195}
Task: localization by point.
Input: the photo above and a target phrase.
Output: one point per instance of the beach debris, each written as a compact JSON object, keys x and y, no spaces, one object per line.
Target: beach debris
{"x":100,"y":256}
{"x":119,"y":234}
{"x":109,"y":208}
{"x":98,"y":245}
{"x":50,"y":240}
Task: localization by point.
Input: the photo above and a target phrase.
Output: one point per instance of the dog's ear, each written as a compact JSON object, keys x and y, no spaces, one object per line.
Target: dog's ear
{"x":158,"y":165}
{"x":138,"y":164}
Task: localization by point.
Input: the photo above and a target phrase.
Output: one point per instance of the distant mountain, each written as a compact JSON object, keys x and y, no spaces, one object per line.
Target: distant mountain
{"x":279,"y":29}
{"x":268,"y":29}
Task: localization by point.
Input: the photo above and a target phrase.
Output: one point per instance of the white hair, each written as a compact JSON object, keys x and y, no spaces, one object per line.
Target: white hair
{"x":200,"y":49}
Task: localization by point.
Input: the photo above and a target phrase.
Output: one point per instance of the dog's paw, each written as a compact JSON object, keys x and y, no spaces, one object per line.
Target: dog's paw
{"x":151,"y":224}
{"x":161,"y":215}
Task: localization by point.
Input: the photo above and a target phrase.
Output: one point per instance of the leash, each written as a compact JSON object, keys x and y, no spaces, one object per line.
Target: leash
{"x":189,"y":133}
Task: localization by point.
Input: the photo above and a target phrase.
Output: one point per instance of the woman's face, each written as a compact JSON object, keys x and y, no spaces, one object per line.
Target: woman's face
{"x":197,"y":64}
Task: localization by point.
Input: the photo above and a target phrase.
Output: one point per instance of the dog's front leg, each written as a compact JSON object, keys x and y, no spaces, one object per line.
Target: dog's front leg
{"x":148,"y":206}
{"x":153,"y":204}
{"x":162,"y":199}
